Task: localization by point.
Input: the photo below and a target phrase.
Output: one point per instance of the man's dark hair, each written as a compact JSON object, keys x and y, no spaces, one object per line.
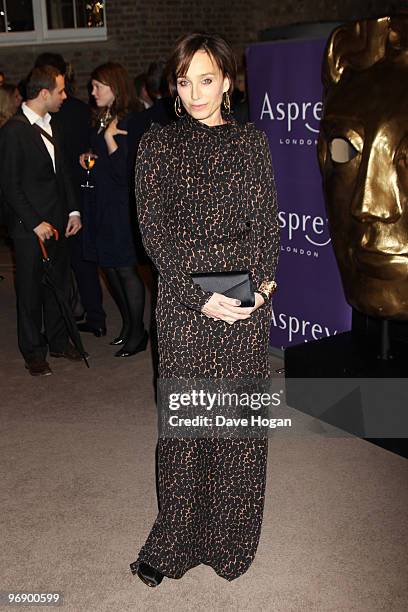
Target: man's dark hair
{"x":140,"y":82}
{"x":43,"y":77}
{"x":156,"y":83}
{"x":51,"y":59}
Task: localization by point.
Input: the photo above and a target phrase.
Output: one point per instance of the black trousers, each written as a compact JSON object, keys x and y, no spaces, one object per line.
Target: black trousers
{"x":39,"y":320}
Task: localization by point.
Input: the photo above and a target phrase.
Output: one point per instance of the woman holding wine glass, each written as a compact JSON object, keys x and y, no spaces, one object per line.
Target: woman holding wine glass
{"x":109,"y":229}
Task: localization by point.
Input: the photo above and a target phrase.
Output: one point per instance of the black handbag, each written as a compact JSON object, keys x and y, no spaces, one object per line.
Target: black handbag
{"x":235,"y":284}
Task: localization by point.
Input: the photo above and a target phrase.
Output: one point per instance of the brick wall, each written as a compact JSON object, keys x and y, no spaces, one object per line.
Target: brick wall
{"x":142,"y":31}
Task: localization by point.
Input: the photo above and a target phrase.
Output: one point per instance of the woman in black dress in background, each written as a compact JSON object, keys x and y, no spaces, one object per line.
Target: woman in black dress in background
{"x":206,"y":202}
{"x":109,"y":232}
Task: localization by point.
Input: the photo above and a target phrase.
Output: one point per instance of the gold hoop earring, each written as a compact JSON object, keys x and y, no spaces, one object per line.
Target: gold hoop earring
{"x":227,"y":103}
{"x":177,"y":107}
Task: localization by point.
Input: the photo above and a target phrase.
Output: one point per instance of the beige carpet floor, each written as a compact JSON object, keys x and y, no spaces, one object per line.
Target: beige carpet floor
{"x":78,"y":499}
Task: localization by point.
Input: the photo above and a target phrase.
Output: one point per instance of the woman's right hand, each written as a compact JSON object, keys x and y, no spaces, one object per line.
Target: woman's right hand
{"x":224,"y":309}
{"x":82,"y":158}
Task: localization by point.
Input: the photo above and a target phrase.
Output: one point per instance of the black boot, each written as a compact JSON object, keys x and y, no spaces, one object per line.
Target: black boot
{"x":116,"y":291}
{"x":133,"y":291}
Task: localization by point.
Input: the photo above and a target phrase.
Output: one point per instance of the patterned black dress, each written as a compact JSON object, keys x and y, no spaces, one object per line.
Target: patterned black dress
{"x":206,"y":202}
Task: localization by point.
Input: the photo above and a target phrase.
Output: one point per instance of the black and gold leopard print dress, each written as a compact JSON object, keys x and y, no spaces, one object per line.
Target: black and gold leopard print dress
{"x":206,"y":202}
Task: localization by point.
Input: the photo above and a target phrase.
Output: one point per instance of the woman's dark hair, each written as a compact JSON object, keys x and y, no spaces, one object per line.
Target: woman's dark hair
{"x":42,"y":77}
{"x":186,"y":46}
{"x":117,"y":78}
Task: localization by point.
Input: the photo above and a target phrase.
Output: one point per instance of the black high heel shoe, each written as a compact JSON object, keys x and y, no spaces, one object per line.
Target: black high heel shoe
{"x":118,"y":340}
{"x":96,"y":331}
{"x":146,"y":573}
{"x":140,"y":347}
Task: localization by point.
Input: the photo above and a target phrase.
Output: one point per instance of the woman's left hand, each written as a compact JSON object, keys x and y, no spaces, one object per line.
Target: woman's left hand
{"x":113,"y":130}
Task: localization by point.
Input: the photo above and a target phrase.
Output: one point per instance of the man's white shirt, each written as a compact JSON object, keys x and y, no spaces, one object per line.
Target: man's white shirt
{"x":44,"y":123}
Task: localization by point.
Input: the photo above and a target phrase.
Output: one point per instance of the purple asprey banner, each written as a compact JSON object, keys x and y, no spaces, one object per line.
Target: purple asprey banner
{"x":285,"y":95}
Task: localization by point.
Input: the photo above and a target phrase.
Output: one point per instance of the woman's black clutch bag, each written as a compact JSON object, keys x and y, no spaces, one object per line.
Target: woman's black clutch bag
{"x":237,"y":285}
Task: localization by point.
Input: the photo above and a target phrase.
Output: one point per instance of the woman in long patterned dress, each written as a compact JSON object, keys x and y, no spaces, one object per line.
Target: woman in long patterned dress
{"x":206,"y":202}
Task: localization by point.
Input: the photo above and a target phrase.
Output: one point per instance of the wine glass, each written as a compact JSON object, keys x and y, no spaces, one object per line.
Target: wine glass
{"x":89,"y":161}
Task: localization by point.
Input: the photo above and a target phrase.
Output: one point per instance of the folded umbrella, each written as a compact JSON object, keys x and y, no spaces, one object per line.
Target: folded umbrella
{"x":49,"y":280}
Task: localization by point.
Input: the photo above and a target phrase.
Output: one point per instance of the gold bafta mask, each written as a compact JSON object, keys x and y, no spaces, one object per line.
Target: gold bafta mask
{"x":363,"y":156}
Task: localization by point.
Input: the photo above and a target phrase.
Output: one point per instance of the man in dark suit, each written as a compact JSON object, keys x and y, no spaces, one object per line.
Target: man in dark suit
{"x":39,"y":196}
{"x":74,"y":120}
